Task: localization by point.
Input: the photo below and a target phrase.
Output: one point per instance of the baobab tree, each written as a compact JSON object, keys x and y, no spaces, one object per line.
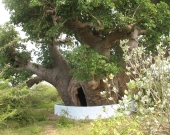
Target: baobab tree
{"x":97,"y":26}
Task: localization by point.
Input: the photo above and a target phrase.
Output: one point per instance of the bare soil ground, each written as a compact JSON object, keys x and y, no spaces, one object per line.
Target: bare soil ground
{"x":50,"y":130}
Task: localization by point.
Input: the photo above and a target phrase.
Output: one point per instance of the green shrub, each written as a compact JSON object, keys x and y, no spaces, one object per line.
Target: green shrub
{"x":23,"y":105}
{"x":87,"y":64}
{"x":65,"y":122}
{"x":45,"y":94}
{"x":119,"y":125}
{"x":149,"y":87}
{"x":15,"y":103}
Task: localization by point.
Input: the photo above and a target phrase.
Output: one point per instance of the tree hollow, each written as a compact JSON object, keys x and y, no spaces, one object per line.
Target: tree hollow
{"x":81,"y":97}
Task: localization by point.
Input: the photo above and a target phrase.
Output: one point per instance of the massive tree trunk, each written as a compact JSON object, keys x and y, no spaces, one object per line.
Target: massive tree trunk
{"x":87,"y":29}
{"x":88,"y":93}
{"x":72,"y":91}
{"x":77,"y":93}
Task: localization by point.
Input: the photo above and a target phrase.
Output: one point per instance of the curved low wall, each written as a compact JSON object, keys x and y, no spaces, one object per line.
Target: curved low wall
{"x":82,"y":113}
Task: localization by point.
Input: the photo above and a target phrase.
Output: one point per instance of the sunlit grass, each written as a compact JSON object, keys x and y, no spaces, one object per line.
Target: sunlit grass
{"x":32,"y":129}
{"x":45,"y":122}
{"x":42,"y":113}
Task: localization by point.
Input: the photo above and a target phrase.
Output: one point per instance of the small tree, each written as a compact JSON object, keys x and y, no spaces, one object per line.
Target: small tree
{"x":150,"y":88}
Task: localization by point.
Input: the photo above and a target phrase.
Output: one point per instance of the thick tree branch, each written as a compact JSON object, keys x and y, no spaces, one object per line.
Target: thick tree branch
{"x":38,"y":69}
{"x":33,"y":81}
{"x":16,"y":59}
{"x":51,"y":10}
{"x":58,"y":58}
{"x":84,"y":25}
{"x":79,"y":25}
{"x":61,"y":41}
{"x":58,"y":77}
{"x":142,"y":32}
{"x":130,"y":27}
{"x":57,"y":40}
{"x":84,"y":32}
{"x":101,"y":27}
{"x":126,"y":33}
{"x":133,"y":39}
{"x":59,"y":64}
{"x":116,"y":35}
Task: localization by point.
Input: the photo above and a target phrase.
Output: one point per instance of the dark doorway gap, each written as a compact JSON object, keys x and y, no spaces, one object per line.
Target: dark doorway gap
{"x":81,"y":97}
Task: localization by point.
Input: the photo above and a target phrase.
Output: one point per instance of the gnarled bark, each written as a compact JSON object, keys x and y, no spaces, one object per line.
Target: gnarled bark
{"x":85,"y":93}
{"x":74,"y":92}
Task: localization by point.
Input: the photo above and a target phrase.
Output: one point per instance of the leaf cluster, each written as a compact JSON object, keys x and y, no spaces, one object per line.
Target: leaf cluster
{"x":150,"y":87}
{"x":20,"y":105}
{"x":87,"y":64}
{"x":37,"y":19}
{"x":14,"y":103}
{"x":12,"y":54}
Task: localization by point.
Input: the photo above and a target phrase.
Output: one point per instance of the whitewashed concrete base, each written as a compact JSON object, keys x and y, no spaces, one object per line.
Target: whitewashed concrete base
{"x":88,"y":112}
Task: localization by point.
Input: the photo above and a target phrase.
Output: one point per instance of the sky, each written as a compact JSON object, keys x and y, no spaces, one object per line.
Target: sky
{"x":5,"y":17}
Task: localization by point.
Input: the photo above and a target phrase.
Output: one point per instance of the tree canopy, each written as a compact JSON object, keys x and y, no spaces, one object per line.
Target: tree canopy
{"x":50,"y":18}
{"x":111,"y":20}
{"x":13,"y":55}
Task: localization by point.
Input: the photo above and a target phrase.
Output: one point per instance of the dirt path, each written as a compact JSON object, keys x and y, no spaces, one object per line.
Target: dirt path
{"x":50,"y":130}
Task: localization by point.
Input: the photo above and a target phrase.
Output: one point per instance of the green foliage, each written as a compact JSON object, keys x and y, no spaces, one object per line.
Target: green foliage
{"x":12,"y":50}
{"x":152,"y":17}
{"x":20,"y":104}
{"x":118,"y":125}
{"x":87,"y":64}
{"x":44,"y":56}
{"x":35,"y":3}
{"x":45,"y":94}
{"x":15,"y":103}
{"x":41,"y":99}
{"x":64,"y":122}
{"x":150,"y":88}
{"x":45,"y":20}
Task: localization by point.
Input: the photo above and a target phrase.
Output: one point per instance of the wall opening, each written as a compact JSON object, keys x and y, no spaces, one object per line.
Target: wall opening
{"x":81,"y":97}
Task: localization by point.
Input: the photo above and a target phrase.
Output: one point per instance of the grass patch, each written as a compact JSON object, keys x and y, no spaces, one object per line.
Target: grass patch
{"x":67,"y":126}
{"x":40,"y":111}
{"x":32,"y":129}
{"x":43,"y":121}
